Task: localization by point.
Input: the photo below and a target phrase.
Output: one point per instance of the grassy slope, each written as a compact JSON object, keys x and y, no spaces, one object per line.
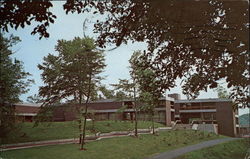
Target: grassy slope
{"x":230,"y":150}
{"x":63,"y":130}
{"x":115,"y":148}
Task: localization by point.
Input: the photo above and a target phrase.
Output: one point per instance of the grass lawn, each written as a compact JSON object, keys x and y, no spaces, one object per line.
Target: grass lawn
{"x":229,"y":150}
{"x":64,"y":130}
{"x":115,"y":148}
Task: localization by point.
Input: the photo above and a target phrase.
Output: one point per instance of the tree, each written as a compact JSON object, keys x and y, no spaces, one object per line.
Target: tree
{"x":130,"y":89}
{"x":200,"y":46}
{"x":151,"y":92}
{"x":107,"y":93}
{"x":34,"y":99}
{"x":119,"y":94}
{"x":73,"y":73}
{"x":13,"y":83}
{"x":222,"y":92}
{"x":16,"y":14}
{"x":149,"y":84}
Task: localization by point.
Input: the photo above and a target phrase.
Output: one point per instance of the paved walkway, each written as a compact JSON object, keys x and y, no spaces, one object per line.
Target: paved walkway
{"x":180,"y":151}
{"x":36,"y":144}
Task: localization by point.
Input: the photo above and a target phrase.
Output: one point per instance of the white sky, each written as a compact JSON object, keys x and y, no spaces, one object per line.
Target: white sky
{"x":31,"y":50}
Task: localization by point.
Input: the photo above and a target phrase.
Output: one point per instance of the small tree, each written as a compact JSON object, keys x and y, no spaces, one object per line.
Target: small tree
{"x":151,"y":91}
{"x":148,"y":82}
{"x":131,"y":91}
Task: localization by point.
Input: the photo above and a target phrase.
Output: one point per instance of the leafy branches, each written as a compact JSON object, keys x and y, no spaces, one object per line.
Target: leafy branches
{"x":73,"y":73}
{"x":200,"y":42}
{"x":149,"y":84}
{"x":67,"y":74}
{"x":17,"y":14}
{"x":13,"y":83}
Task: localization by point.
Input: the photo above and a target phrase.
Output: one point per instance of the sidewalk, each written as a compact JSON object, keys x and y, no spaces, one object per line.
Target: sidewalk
{"x":37,"y":144}
{"x":181,"y":151}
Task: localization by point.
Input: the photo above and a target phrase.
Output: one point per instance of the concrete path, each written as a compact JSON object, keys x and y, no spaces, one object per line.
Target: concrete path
{"x":180,"y":151}
{"x":36,"y":144}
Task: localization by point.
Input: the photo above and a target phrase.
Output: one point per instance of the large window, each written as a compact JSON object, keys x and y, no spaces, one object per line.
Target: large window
{"x":160,"y":116}
{"x":209,"y":116}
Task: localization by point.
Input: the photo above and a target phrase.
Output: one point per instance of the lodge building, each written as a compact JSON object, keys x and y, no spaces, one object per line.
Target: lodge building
{"x":171,"y":110}
{"x":26,"y":111}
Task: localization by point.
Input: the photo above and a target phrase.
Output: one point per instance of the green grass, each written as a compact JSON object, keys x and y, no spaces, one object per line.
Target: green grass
{"x":229,"y":150}
{"x":64,"y":130}
{"x":115,"y":148}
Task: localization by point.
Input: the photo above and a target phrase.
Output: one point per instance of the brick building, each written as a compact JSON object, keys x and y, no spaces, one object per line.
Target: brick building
{"x":215,"y":111}
{"x":111,"y":109}
{"x":26,"y":111}
{"x":209,"y":111}
{"x":171,"y":109}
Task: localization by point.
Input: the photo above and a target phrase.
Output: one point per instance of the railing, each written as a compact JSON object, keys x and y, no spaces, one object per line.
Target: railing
{"x":174,"y":125}
{"x":196,"y":107}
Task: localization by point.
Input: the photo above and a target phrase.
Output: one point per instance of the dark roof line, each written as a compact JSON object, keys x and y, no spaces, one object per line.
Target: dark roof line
{"x":203,"y":100}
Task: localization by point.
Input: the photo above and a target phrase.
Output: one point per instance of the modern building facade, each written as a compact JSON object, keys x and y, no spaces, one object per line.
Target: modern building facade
{"x":171,"y":109}
{"x":111,"y":109}
{"x":209,"y":111}
{"x":26,"y":111}
{"x":219,"y":112}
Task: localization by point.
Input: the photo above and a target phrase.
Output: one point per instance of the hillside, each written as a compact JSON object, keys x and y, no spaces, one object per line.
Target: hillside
{"x":244,"y":119}
{"x":69,"y":129}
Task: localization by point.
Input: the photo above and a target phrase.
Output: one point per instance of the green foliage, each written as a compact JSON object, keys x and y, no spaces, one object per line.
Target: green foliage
{"x":11,"y":11}
{"x":121,"y":95}
{"x":131,"y":90}
{"x":13,"y":83}
{"x":222,"y":92}
{"x":74,"y":72}
{"x":124,"y":88}
{"x":34,"y":99}
{"x":67,"y":74}
{"x":148,"y":82}
{"x":200,"y":46}
{"x":12,"y":78}
{"x":107,"y":93}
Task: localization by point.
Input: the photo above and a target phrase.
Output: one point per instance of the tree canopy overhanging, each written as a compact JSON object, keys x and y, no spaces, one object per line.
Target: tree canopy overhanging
{"x":200,"y":42}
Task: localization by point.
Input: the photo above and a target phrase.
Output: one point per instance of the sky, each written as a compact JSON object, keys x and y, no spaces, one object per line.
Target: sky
{"x":31,"y":50}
